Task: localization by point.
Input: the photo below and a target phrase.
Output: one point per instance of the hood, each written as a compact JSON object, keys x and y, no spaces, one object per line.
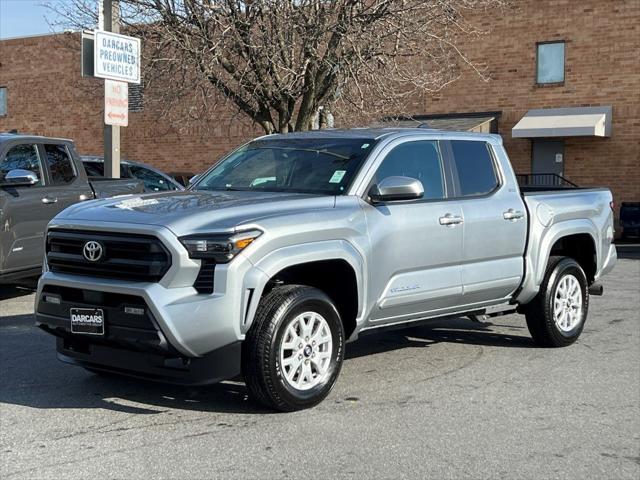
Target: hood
{"x":191,"y":211}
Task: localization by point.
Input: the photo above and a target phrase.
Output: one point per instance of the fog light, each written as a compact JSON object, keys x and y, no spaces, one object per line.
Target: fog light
{"x":51,"y":299}
{"x":134,"y":311}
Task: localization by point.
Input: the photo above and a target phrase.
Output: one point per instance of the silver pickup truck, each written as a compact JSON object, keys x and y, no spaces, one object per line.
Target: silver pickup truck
{"x":294,"y":244}
{"x":40,"y":177}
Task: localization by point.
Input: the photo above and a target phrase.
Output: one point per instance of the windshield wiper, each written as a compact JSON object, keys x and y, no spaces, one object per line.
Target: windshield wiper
{"x":289,"y":149}
{"x":223,"y":189}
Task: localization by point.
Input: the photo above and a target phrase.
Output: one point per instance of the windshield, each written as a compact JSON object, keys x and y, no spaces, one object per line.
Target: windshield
{"x":310,"y":165}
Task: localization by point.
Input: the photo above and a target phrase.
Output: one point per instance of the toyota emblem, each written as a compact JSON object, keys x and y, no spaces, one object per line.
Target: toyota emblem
{"x":93,"y":251}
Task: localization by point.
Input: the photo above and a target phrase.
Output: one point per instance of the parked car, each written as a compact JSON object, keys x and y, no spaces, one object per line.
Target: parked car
{"x":182,"y":177}
{"x":294,"y":244}
{"x":40,"y":177}
{"x":630,"y":219}
{"x":154,"y":180}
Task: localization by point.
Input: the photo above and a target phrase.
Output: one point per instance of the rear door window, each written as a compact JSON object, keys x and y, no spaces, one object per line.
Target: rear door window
{"x":22,"y":157}
{"x":60,"y":164}
{"x":476,"y":170}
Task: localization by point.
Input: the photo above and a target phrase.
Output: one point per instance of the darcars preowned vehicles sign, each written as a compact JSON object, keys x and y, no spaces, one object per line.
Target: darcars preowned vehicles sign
{"x":116,"y":57}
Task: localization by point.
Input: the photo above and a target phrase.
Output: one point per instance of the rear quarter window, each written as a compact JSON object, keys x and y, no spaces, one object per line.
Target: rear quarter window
{"x":475,"y":167}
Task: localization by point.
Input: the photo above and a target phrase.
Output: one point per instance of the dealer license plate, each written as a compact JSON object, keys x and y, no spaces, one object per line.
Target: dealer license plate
{"x":88,"y":321}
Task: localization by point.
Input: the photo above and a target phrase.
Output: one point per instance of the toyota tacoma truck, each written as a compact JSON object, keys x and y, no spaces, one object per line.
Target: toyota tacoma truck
{"x":295,"y":244}
{"x":40,"y":177}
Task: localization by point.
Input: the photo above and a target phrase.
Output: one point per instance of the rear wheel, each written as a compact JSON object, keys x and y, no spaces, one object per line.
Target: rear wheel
{"x":556,"y":316}
{"x":293,"y":353}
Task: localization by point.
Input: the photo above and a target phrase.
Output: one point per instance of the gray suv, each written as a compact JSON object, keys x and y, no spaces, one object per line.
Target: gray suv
{"x":295,"y":244}
{"x":40,"y":177}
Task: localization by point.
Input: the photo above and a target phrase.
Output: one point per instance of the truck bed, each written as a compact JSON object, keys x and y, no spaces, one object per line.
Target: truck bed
{"x":556,"y":212}
{"x":547,"y":188}
{"x":557,"y":190}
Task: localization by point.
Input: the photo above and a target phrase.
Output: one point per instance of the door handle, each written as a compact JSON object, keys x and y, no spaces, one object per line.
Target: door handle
{"x":49,"y":200}
{"x":450,"y":220}
{"x":512,"y":214}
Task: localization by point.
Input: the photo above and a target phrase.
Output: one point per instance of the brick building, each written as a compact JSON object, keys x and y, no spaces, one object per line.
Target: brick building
{"x":581,"y":59}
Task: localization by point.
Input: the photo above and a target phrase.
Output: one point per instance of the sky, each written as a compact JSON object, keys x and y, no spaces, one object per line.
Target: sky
{"x":19,"y":18}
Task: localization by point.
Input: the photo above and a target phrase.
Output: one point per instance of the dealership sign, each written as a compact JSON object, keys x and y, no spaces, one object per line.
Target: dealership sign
{"x":116,"y":103}
{"x":116,"y":57}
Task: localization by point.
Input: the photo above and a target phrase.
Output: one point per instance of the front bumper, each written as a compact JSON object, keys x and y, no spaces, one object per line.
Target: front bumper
{"x":194,"y":324}
{"x":135,"y":344}
{"x":184,"y":331}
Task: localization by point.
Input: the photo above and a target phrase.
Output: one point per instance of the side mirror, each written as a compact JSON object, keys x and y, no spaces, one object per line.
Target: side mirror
{"x":193,"y":180}
{"x":396,"y":188}
{"x":19,"y":177}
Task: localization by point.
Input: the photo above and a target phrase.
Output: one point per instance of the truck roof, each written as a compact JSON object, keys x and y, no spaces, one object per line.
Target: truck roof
{"x":379,"y":133}
{"x":6,"y":136}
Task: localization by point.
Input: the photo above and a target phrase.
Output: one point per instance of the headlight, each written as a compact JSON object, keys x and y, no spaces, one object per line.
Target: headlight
{"x":219,"y":247}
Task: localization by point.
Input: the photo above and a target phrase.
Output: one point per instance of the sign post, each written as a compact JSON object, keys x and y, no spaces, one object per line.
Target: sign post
{"x":110,"y":23}
{"x":116,"y":58}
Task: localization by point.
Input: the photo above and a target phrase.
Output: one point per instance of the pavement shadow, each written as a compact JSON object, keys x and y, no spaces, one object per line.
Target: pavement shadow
{"x":457,"y":330}
{"x":30,"y":375}
{"x":13,"y":291}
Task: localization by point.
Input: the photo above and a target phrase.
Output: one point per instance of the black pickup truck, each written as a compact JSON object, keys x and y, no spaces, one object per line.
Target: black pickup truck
{"x":40,"y":177}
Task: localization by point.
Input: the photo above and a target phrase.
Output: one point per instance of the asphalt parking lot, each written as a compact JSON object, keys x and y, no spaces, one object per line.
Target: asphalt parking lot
{"x":457,"y":399}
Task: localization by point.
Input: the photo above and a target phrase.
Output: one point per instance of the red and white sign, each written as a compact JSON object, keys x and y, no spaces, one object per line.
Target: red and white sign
{"x":116,"y":103}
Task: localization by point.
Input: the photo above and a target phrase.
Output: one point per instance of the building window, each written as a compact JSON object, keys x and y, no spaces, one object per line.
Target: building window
{"x":3,"y":101}
{"x":136,"y":96}
{"x":550,"y":62}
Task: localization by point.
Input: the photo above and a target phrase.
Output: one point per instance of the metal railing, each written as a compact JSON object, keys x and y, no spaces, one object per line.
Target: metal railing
{"x":543,"y":180}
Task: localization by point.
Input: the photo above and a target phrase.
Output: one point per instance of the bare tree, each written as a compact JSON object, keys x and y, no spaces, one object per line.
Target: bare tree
{"x":278,"y":61}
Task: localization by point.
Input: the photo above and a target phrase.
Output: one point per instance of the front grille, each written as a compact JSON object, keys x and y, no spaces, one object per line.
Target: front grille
{"x":204,"y":282}
{"x":125,"y":256}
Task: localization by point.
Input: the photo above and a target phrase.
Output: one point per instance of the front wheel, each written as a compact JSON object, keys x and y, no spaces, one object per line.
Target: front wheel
{"x":556,"y":316}
{"x":293,"y":352}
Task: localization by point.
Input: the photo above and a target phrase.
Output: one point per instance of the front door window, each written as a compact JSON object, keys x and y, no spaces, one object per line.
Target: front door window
{"x":22,"y":157}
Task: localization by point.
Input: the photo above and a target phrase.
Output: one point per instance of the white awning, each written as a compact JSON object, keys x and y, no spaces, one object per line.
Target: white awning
{"x":564,"y":122}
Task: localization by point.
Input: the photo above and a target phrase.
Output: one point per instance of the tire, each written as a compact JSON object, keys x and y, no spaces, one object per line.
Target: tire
{"x":555,"y":318}
{"x":267,"y":366}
